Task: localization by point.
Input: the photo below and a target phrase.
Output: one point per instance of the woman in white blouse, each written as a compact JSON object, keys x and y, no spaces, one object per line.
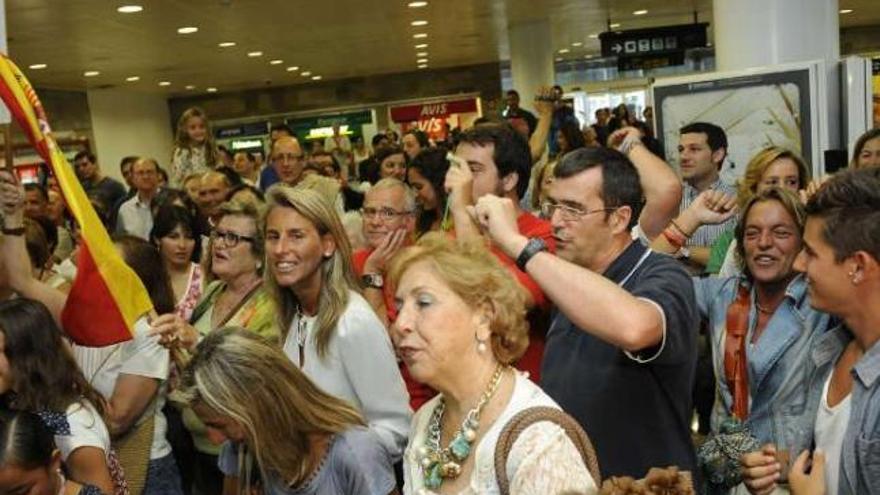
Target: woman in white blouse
{"x":460,"y":326}
{"x":328,"y":329}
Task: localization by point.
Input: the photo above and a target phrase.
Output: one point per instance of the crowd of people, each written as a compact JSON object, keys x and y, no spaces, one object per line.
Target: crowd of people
{"x":529,"y":306}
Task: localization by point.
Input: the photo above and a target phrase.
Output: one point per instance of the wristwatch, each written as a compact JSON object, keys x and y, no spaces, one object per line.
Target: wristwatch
{"x":533,"y":247}
{"x":373,"y":280}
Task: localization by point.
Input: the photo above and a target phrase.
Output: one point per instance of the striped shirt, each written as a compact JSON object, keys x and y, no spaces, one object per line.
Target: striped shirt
{"x":705,"y":235}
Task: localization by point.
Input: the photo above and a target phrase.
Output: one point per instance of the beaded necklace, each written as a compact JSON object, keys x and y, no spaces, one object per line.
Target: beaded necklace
{"x":439,"y":463}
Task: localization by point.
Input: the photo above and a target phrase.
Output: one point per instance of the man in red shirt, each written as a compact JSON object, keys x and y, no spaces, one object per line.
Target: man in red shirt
{"x":497,"y":160}
{"x":389,"y":222}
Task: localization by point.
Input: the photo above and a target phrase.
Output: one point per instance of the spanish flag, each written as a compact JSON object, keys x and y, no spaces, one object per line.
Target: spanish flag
{"x":107,"y":297}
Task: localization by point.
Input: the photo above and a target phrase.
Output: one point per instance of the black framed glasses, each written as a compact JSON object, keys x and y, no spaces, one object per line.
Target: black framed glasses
{"x":569,"y":213}
{"x":383,"y":213}
{"x":230,"y":239}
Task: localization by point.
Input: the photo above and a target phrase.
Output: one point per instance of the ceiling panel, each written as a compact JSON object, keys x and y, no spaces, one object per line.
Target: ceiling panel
{"x":333,"y":39}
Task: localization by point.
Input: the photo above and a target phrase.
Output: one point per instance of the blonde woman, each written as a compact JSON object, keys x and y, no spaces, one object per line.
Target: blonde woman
{"x":284,"y":435}
{"x":770,"y":167}
{"x":328,"y":329}
{"x":461,"y":325}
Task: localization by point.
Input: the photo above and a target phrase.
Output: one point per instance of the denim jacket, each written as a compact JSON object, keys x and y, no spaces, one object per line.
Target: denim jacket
{"x":860,"y":453}
{"x":779,"y":364}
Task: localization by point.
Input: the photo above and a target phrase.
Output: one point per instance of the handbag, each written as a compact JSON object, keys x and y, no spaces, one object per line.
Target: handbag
{"x":530,"y":416}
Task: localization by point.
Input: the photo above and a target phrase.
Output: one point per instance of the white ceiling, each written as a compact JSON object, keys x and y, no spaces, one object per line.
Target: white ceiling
{"x":333,"y":39}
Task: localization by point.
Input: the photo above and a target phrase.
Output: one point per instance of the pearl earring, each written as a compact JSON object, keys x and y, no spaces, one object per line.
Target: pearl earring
{"x":481,"y":345}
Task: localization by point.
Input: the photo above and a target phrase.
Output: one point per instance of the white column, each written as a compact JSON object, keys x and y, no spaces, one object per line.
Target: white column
{"x":760,"y":33}
{"x":531,"y":58}
{"x":130,"y":123}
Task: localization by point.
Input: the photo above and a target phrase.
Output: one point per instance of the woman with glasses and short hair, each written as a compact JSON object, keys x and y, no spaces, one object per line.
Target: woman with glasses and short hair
{"x":234,"y":296}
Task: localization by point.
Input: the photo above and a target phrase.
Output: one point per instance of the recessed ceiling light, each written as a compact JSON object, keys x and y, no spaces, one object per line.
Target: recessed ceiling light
{"x":305,"y":74}
{"x":190,"y":87}
{"x":578,"y":43}
{"x":226,"y":44}
{"x":640,"y":12}
{"x":164,"y":83}
{"x":211,"y":90}
{"x":559,"y":59}
{"x":419,"y":36}
{"x":614,"y":26}
{"x":423,"y":66}
{"x":91,"y":73}
{"x":588,"y":56}
{"x":132,"y":78}
{"x":594,"y":36}
{"x":419,"y":23}
{"x":255,"y":54}
{"x":129,"y":9}
{"x":846,"y":11}
{"x":422,"y":61}
{"x":292,"y":68}
{"x":564,"y":50}
{"x":316,"y":78}
{"x":421,"y":46}
{"x":188,"y":30}
{"x":422,"y":54}
{"x":416,"y":5}
{"x":37,"y":66}
{"x":277,"y":61}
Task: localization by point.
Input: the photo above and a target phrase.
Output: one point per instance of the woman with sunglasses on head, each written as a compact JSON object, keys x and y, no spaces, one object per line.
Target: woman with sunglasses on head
{"x":286,"y":435}
{"x":234,"y":295}
{"x":330,"y":331}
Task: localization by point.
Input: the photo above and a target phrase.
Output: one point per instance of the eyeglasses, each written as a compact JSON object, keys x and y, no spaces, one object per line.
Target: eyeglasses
{"x":382,"y":213}
{"x":231,"y":239}
{"x":289,"y":157}
{"x":567,"y":212}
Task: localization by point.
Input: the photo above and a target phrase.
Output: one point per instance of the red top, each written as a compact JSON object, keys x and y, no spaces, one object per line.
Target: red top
{"x":418,"y":392}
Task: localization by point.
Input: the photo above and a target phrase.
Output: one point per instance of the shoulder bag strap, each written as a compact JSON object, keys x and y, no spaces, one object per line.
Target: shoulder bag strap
{"x":527,"y":417}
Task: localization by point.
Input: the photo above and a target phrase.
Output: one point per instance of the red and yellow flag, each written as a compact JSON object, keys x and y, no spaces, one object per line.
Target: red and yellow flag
{"x":107,"y":297}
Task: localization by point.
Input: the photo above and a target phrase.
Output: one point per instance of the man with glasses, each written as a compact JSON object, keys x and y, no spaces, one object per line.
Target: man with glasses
{"x":388,"y":224}
{"x":288,"y":160}
{"x":621,"y":352}
{"x":96,"y":184}
{"x":135,"y":217}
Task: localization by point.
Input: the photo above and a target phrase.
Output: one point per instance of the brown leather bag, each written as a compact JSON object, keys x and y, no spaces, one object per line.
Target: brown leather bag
{"x":530,"y":416}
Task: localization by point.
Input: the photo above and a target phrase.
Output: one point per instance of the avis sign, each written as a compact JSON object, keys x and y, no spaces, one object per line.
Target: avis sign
{"x":428,"y":111}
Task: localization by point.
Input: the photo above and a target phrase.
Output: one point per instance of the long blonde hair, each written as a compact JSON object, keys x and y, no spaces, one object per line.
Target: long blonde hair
{"x":337,"y":273}
{"x":240,"y":375}
{"x":182,"y":141}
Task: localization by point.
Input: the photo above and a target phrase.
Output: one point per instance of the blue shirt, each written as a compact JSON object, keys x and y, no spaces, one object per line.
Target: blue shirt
{"x":860,"y":462}
{"x":779,"y":364}
{"x":636,"y":410}
{"x":355,"y":464}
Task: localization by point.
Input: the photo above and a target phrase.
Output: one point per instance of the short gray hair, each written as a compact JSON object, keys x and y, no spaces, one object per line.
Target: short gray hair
{"x":409,"y":197}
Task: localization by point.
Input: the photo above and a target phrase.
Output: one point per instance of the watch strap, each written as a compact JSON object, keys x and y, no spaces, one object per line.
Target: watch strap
{"x":533,"y":247}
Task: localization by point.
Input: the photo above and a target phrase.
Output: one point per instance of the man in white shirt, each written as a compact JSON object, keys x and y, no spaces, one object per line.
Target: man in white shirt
{"x":135,"y":217}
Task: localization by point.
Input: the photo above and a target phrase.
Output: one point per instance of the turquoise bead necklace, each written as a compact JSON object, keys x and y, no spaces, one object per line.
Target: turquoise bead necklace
{"x":438,"y":463}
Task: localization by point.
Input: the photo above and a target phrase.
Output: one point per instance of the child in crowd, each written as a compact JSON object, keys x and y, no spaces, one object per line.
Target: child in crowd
{"x":194,"y":149}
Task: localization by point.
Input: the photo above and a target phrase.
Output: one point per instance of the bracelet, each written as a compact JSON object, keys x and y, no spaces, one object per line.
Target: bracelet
{"x":17,"y":231}
{"x":674,"y":238}
{"x":681,"y":230}
{"x":628,"y":143}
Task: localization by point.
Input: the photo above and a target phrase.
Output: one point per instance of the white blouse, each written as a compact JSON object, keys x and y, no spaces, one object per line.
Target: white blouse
{"x":543,"y":458}
{"x":359,"y":367}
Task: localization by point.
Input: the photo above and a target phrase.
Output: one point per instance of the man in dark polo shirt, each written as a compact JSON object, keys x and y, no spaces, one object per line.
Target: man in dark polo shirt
{"x":108,"y":190}
{"x":621,"y":353}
